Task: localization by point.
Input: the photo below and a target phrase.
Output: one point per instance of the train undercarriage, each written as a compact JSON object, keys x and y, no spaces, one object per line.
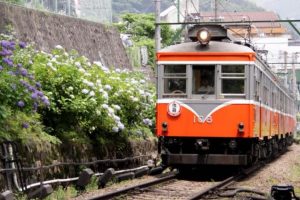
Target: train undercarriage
{"x":181,"y":151}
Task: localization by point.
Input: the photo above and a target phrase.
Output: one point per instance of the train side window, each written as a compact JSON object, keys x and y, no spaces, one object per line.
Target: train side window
{"x":233,"y":80}
{"x":203,"y":79}
{"x":174,"y":80}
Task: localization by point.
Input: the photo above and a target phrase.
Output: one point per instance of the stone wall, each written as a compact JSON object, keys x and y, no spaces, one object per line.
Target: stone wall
{"x":96,"y":41}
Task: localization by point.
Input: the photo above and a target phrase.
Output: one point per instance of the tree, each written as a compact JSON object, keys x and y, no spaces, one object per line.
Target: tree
{"x":142,"y":29}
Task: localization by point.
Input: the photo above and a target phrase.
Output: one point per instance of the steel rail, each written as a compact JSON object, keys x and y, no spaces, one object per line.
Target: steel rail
{"x":143,"y":185}
{"x":245,"y":173}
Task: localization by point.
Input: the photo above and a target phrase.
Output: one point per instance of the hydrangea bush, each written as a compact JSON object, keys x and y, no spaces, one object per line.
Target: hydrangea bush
{"x":20,"y":93}
{"x":75,"y":98}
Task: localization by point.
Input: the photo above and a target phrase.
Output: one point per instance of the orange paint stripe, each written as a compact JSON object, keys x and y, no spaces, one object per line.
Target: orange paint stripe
{"x":205,"y":56}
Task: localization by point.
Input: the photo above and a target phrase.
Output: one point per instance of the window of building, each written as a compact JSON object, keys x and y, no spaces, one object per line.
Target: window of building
{"x":175,"y":80}
{"x":203,"y":79}
{"x":233,"y":79}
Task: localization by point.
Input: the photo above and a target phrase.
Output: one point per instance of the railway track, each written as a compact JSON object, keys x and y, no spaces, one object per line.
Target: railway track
{"x":172,"y":186}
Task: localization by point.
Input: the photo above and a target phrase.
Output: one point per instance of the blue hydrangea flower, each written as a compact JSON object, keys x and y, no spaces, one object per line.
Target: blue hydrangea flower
{"x":25,"y":125}
{"x":5,"y":52}
{"x":8,"y":61}
{"x":23,"y":72}
{"x":21,"y":104}
{"x":34,"y":96}
{"x":22,"y":45}
{"x":5,"y":44}
{"x":38,"y":85}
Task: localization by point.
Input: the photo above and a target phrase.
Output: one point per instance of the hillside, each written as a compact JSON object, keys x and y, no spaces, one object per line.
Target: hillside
{"x":146,"y":6}
{"x":284,"y":8}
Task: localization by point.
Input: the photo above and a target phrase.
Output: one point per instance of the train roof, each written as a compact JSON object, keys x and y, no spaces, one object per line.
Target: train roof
{"x":213,"y":46}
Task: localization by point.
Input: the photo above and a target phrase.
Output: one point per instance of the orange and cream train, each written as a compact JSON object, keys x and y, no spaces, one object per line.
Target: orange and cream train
{"x":219,"y":103}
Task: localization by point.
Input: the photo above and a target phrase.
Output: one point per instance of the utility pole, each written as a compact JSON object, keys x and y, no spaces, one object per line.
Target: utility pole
{"x":178,"y":10}
{"x":285,"y":68}
{"x":294,"y":74}
{"x":157,"y":26}
{"x":216,"y":10}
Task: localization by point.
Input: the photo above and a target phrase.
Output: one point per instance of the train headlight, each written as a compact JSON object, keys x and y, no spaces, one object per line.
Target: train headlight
{"x":203,"y":36}
{"x":241,"y":127}
{"x":164,"y":126}
{"x":174,"y":109}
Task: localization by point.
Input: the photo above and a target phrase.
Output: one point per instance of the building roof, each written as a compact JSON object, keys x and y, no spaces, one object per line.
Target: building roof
{"x":268,"y":28}
{"x":242,"y":16}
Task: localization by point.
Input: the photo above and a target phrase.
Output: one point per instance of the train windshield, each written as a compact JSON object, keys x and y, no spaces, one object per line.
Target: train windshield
{"x":203,"y":79}
{"x":175,"y":79}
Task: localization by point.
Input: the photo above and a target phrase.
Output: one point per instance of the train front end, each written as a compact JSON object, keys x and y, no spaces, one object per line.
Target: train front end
{"x":204,"y":111}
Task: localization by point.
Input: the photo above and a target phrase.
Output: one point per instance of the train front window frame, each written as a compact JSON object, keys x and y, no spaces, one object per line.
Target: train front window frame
{"x":203,"y":79}
{"x":175,"y":81}
{"x":232,"y":81}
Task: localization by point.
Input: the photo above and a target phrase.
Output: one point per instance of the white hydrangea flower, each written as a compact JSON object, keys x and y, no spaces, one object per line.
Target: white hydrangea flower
{"x":105,"y":95}
{"x":99,"y":64}
{"x":115,"y":129}
{"x":111,"y":110}
{"x":72,"y":96}
{"x":77,"y":64}
{"x":101,"y":90}
{"x":117,"y":118}
{"x":117,"y":107}
{"x":59,"y":47}
{"x":66,"y":54}
{"x":92,"y":93}
{"x":98,"y":82}
{"x":135,"y":99}
{"x":121,"y":126}
{"x":107,"y":87}
{"x":85,"y":91}
{"x":49,"y":64}
{"x":90,"y":84}
{"x":105,"y":106}
{"x":142,"y":81}
{"x":89,"y":64}
{"x":118,"y":70}
{"x":82,"y":70}
{"x":70,"y":88}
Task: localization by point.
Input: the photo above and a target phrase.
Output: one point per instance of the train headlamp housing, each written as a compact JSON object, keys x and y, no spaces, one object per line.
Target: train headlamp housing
{"x":203,"y":36}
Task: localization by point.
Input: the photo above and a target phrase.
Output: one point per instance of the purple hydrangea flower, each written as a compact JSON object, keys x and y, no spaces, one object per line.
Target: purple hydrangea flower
{"x":19,"y":65}
{"x":25,"y":125}
{"x":12,"y":45}
{"x":5,"y":44}
{"x":31,"y":88}
{"x":22,"y":45}
{"x":38,"y":85}
{"x":21,"y":104}
{"x":23,"y":72}
{"x":40,"y":94}
{"x":1,"y":68}
{"x":6,"y":52}
{"x":8,"y":61}
{"x":45,"y":101}
{"x":34,"y":95}
{"x":35,"y":106}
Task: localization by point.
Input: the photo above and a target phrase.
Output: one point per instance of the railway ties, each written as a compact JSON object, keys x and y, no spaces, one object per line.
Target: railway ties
{"x":171,"y":186}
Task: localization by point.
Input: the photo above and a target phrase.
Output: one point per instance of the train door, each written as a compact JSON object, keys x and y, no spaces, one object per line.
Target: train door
{"x":257,"y":106}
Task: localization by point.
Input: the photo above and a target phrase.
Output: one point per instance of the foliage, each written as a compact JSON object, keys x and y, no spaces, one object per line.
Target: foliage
{"x":20,"y":94}
{"x":68,"y":97}
{"x":135,"y":6}
{"x":20,"y":2}
{"x":142,"y":30}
